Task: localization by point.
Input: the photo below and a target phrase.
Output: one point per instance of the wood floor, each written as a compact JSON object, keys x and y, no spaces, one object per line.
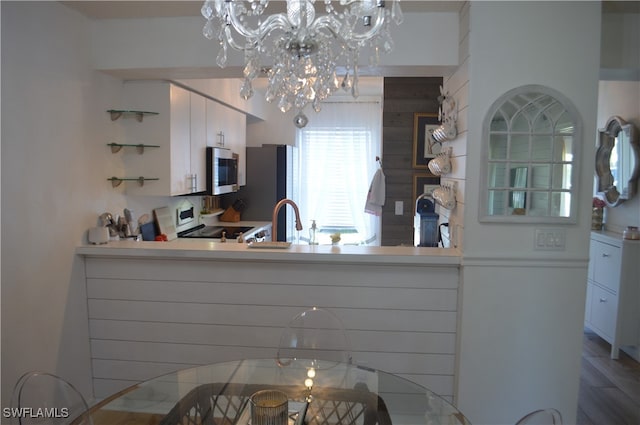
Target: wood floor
{"x":609,"y":389}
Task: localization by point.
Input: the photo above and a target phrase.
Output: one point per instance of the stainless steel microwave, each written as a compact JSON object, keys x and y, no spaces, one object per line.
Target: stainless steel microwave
{"x":222,"y":171}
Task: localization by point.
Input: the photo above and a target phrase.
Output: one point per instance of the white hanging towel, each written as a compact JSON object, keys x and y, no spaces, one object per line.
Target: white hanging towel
{"x":376,"y":195}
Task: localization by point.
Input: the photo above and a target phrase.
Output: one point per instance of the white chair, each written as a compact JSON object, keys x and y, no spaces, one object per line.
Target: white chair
{"x":316,"y":335}
{"x":44,"y":398}
{"x":548,"y":416}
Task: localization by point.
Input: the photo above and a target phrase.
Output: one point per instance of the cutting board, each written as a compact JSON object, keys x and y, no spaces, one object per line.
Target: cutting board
{"x":148,"y":231}
{"x":165,"y":223}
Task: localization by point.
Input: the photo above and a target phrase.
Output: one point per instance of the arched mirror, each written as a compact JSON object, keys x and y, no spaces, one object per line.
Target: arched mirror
{"x":531,"y":139}
{"x":617,"y":165}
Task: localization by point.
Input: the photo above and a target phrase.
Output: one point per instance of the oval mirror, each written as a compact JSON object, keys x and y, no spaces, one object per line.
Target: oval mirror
{"x":617,"y":165}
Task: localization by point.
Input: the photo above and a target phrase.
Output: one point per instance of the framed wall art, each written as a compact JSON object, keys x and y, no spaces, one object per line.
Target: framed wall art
{"x":424,"y":183}
{"x":424,"y":147}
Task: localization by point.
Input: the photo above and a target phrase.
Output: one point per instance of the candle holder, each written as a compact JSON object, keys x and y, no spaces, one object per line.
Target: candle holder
{"x":269,"y":407}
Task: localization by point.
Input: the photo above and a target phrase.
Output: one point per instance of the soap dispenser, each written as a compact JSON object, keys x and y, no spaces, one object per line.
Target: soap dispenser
{"x":312,"y":233}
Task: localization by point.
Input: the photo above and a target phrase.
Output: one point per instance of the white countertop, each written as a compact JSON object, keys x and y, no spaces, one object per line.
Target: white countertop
{"x":208,"y":249}
{"x":611,"y":237}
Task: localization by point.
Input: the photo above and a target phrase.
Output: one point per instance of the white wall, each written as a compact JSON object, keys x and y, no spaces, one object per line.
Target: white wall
{"x":176,"y":46}
{"x":457,"y":85}
{"x":620,"y":49}
{"x":620,"y":98}
{"x":55,"y":165}
{"x":523,"y":310}
{"x":53,"y":186}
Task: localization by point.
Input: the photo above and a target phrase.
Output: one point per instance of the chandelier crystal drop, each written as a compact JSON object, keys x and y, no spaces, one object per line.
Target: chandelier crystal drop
{"x":306,"y":55}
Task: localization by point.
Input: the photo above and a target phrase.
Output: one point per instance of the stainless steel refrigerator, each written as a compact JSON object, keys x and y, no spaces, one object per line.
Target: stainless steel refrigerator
{"x":272,"y":175}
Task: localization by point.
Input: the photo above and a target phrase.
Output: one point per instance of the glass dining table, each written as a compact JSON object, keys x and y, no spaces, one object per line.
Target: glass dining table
{"x":319,"y":393}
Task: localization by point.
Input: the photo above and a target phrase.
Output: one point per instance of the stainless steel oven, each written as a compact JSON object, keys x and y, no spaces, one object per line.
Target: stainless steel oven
{"x":222,"y":171}
{"x":231,"y":231}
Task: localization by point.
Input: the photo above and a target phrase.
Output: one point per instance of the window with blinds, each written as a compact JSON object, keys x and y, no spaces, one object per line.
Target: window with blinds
{"x":334,"y":182}
{"x":337,"y":161}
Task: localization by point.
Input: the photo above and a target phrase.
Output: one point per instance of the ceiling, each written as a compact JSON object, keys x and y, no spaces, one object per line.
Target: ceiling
{"x":156,"y":9}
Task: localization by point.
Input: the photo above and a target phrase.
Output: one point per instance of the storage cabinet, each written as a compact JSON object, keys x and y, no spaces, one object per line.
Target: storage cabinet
{"x":613,"y":296}
{"x":180,"y":132}
{"x":227,"y":128}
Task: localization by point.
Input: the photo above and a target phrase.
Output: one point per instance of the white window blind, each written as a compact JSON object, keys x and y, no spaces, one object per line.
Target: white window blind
{"x":337,"y":162}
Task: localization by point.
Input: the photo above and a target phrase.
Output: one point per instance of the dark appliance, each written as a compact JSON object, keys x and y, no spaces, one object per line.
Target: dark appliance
{"x":428,"y":232}
{"x":214,"y":232}
{"x":222,"y":171}
{"x":272,"y":172}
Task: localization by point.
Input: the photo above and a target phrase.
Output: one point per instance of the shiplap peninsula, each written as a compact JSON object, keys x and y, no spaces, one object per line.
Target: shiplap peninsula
{"x":156,"y":307}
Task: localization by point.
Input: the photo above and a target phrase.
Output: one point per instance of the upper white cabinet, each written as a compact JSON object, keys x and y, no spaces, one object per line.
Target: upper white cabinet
{"x":180,"y":131}
{"x":198,"y":143}
{"x":613,"y":291}
{"x":227,"y":128}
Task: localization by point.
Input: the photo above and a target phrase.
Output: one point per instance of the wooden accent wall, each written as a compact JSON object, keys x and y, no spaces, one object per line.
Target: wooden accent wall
{"x":403,"y":96}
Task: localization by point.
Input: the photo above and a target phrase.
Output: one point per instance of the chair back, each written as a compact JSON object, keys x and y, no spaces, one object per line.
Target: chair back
{"x":318,"y":335}
{"x":548,"y":416}
{"x":223,"y":403}
{"x":44,"y":398}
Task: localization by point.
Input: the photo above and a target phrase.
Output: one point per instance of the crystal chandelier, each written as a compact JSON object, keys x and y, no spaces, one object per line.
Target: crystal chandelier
{"x":302,"y":53}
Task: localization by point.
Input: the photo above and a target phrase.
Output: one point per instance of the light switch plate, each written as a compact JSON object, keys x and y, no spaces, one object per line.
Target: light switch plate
{"x":550,"y":239}
{"x":399,"y":207}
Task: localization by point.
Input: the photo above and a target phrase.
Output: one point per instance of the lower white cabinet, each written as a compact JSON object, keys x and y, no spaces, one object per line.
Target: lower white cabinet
{"x":613,"y":293}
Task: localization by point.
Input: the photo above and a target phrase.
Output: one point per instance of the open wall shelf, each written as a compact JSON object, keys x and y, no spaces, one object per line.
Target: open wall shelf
{"x":116,"y":147}
{"x":139,"y":115}
{"x":117,"y":181}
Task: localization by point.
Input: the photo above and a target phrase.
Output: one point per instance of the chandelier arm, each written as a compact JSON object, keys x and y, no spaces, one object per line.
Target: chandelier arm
{"x":232,"y":42}
{"x":333,"y":25}
{"x":276,"y":21}
{"x":373,"y":30}
{"x":327,"y":22}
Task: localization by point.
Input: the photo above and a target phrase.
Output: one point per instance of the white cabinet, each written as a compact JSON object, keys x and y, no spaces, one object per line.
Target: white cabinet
{"x":198,"y":142}
{"x":227,"y":128}
{"x":613,"y":293}
{"x":180,"y":131}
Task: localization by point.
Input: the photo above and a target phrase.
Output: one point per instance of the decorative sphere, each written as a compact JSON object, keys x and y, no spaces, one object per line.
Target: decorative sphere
{"x":300,"y":120}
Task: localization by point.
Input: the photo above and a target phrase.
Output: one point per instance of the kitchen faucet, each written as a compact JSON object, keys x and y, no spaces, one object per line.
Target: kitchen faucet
{"x":274,"y":218}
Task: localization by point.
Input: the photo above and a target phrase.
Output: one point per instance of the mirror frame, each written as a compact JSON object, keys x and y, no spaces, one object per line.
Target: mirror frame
{"x":606,"y":143}
{"x":517,"y":218}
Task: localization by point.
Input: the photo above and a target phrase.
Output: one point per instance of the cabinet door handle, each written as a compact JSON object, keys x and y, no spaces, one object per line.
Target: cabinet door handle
{"x":605,"y":255}
{"x":603,"y":300}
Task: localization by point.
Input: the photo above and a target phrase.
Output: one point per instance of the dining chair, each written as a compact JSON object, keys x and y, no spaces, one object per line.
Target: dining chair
{"x":45,"y":398}
{"x":216,"y":403}
{"x":316,"y":334}
{"x":549,"y":416}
